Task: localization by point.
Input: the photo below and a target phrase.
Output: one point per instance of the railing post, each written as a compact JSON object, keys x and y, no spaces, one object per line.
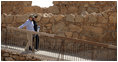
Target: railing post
{"x":6,"y":35}
{"x":62,"y":50}
{"x":94,"y":52}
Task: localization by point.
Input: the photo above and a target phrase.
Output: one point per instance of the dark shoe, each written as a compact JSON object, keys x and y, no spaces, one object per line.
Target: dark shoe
{"x":30,"y":48}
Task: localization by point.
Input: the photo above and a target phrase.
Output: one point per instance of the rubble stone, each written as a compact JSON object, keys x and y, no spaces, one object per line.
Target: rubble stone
{"x":58,"y":27}
{"x":70,"y":18}
{"x":9,"y":59}
{"x":59,"y":18}
{"x":75,"y":28}
{"x":6,"y":54}
{"x":53,"y":9}
{"x":79,"y":18}
{"x":92,"y":19}
{"x":113,"y":18}
{"x":68,"y":34}
{"x":102,"y":19}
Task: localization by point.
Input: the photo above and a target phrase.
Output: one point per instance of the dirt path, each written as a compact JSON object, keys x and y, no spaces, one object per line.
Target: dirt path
{"x":45,"y":55}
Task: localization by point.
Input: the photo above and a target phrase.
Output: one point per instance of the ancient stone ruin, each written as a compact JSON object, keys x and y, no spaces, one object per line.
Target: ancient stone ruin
{"x":95,"y":21}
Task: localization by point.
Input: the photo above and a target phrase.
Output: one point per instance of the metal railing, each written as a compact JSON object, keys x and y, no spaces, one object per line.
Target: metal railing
{"x":61,"y":48}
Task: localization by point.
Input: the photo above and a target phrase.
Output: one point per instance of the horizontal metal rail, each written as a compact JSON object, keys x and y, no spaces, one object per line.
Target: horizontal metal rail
{"x":42,"y":34}
{"x":61,"y":48}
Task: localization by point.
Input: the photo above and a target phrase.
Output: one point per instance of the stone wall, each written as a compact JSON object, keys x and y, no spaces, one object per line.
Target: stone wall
{"x":19,"y":7}
{"x":66,"y":26}
{"x":97,"y":27}
{"x":77,"y":7}
{"x":13,"y":56}
{"x":60,"y":7}
{"x":92,"y":21}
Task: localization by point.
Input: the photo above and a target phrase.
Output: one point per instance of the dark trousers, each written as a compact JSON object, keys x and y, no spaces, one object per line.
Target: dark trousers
{"x":36,"y":41}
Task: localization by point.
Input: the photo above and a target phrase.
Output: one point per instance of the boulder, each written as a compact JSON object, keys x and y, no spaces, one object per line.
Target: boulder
{"x":86,"y":5}
{"x":105,"y":15}
{"x":61,"y":34}
{"x":102,"y":19}
{"x":45,"y":20}
{"x":92,"y":9}
{"x":79,"y":18}
{"x":21,"y":18}
{"x":53,"y":9}
{"x":75,"y":35}
{"x":28,"y":58}
{"x":97,"y":30}
{"x":8,"y":19}
{"x":22,"y":58}
{"x":75,"y":28}
{"x":84,"y":13}
{"x":28,"y":9}
{"x":92,"y":2}
{"x":6,"y":54}
{"x":113,"y":18}
{"x":9,"y":59}
{"x":63,"y":10}
{"x":32,"y":9}
{"x":55,"y":2}
{"x":16,"y":57}
{"x":52,"y":19}
{"x":92,"y":19}
{"x":38,"y":18}
{"x":70,"y":18}
{"x":49,"y":26}
{"x":81,"y":9}
{"x":58,"y":27}
{"x":72,"y":9}
{"x":68,"y":34}
{"x":58,"y":18}
{"x":46,"y":15}
{"x":113,"y":27}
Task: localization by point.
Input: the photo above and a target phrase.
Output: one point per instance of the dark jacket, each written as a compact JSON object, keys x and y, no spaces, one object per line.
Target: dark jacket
{"x":35,"y":25}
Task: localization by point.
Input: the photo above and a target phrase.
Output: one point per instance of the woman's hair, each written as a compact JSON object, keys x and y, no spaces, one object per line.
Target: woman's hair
{"x":31,"y":16}
{"x":35,"y":15}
